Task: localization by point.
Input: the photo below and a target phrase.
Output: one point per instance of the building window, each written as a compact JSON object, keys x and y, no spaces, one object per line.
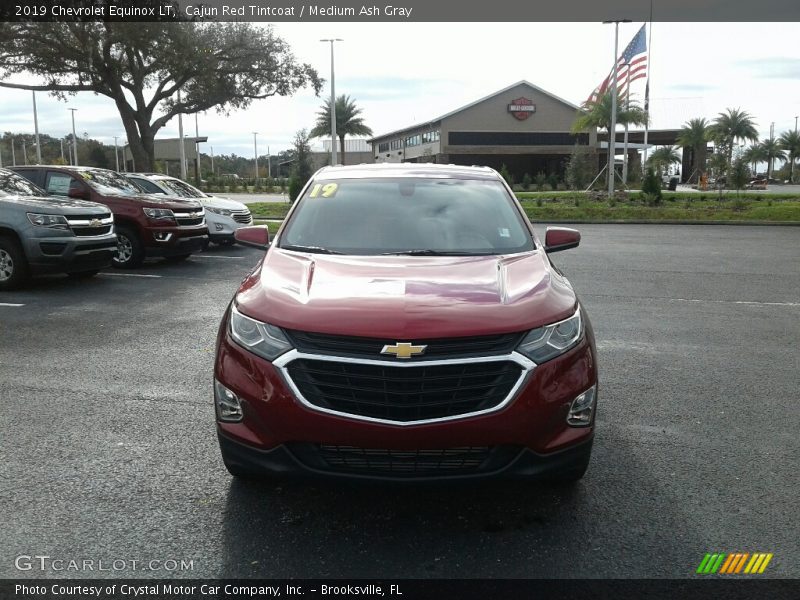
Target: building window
{"x":397,"y":144}
{"x":383,"y":147}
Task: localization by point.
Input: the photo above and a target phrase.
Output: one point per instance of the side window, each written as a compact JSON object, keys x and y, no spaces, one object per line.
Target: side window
{"x":58,"y":184}
{"x":148,"y":186}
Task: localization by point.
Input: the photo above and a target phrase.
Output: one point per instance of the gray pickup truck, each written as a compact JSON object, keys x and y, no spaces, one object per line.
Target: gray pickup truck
{"x":45,"y":234}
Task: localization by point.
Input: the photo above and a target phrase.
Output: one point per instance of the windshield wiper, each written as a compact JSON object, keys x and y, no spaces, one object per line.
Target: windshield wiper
{"x":430,"y":252}
{"x":313,"y":249}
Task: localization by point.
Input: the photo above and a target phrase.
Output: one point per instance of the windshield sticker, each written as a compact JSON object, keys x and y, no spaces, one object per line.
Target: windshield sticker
{"x":504,"y":232}
{"x":327,"y":190}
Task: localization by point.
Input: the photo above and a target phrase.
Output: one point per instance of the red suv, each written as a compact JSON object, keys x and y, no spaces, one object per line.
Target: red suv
{"x":406,"y":323}
{"x":172,"y":228}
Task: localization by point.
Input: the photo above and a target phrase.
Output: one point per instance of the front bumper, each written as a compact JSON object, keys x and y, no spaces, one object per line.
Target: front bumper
{"x":507,"y":462}
{"x":68,"y":253}
{"x":221,"y":227}
{"x":178,"y":240}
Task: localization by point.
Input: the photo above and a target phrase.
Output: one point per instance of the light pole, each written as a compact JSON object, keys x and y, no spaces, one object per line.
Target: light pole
{"x":182,"y":149}
{"x":333,"y":102}
{"x":74,"y":137}
{"x":255,"y":158}
{"x":13,"y":155}
{"x":116,"y":153}
{"x":612,"y":132}
{"x":36,"y":130}
{"x":196,"y":151}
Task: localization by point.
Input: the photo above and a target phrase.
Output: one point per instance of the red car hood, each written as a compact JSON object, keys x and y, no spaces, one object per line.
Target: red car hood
{"x":402,"y":297}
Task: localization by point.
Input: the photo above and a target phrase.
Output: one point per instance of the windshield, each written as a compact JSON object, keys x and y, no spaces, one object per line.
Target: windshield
{"x":179,"y":188}
{"x":12,"y":184}
{"x":407,"y":216}
{"x":109,"y":182}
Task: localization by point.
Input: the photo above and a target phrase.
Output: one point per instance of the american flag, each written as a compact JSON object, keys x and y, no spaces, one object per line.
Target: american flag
{"x":631,"y":65}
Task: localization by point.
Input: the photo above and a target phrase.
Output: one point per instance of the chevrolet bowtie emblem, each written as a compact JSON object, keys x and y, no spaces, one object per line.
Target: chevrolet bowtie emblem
{"x":95,"y":223}
{"x":404,"y":350}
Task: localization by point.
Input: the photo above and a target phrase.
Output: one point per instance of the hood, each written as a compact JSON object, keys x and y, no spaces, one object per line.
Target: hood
{"x":161,"y":201}
{"x":67,"y":206}
{"x":219,"y":202}
{"x":403,"y":297}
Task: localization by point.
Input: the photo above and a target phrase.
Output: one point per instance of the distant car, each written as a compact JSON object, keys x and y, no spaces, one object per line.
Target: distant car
{"x":41,"y":234}
{"x":171,"y":228}
{"x":758,"y":183}
{"x":223,"y":215}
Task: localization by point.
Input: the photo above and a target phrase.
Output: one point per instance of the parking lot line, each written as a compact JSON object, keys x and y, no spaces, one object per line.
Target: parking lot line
{"x":131,"y":275}
{"x":11,"y":304}
{"x":205,"y":256}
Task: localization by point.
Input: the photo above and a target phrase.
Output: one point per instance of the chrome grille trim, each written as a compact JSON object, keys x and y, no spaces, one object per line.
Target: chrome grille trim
{"x":283,"y":361}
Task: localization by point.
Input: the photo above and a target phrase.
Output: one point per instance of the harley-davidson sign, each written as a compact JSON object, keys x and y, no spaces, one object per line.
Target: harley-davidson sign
{"x":522,"y":108}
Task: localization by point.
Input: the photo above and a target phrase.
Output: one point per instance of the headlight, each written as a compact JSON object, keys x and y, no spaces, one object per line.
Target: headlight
{"x":225,"y":212}
{"x":545,"y":343}
{"x":260,"y":338}
{"x":52,"y":221}
{"x":159,"y":213}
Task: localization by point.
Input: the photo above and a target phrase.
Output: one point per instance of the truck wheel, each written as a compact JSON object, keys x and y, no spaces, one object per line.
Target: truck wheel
{"x":13,"y":266}
{"x":130,"y":252}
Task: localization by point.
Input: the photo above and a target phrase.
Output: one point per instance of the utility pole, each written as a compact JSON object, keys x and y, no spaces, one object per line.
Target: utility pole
{"x":612,"y":132}
{"x":333,"y":102}
{"x":36,"y":130}
{"x":62,"y":150}
{"x":24,"y":153}
{"x":269,"y":164}
{"x":116,"y":153}
{"x":180,"y":141}
{"x":255,"y":157}
{"x":212,"y":160}
{"x":196,"y":152}
{"x":13,"y":155}
{"x":74,"y":138}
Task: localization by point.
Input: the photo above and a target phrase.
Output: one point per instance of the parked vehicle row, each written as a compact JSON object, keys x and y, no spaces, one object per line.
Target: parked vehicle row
{"x":79,"y":220}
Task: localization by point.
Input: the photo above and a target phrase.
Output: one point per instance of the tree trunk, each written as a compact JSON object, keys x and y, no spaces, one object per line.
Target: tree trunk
{"x":341,"y":139}
{"x":140,"y":145}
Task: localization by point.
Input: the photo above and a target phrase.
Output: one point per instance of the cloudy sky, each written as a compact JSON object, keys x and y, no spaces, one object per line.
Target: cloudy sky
{"x":403,"y":73}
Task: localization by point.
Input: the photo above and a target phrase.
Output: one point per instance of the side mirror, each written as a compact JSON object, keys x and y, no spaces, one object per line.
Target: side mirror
{"x":77,"y":190}
{"x":561,"y":238}
{"x":255,"y":237}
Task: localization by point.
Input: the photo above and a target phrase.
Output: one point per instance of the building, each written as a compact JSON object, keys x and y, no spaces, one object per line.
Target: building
{"x":522,"y":126}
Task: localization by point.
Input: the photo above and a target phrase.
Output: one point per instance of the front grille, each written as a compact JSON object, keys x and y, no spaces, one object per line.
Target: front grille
{"x":404,"y":394}
{"x":363,"y":347}
{"x":91,"y":231}
{"x":399,"y":462}
{"x":242,"y":216}
{"x":90,"y":225}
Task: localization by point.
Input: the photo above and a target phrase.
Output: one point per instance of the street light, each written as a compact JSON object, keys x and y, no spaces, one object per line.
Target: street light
{"x":74,"y":137}
{"x":255,"y":157}
{"x":612,"y":132}
{"x":116,"y":153}
{"x":36,"y":130}
{"x":333,"y":102}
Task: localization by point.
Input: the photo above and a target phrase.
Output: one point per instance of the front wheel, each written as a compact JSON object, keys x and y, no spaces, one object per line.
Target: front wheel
{"x":130,"y":251}
{"x":13,"y":266}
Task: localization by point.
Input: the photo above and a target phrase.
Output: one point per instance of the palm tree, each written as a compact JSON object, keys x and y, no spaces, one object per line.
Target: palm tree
{"x":597,"y":114}
{"x":694,"y":135}
{"x":753,"y":155}
{"x":790,"y":142}
{"x":663,"y":157}
{"x":347,"y":121}
{"x":773,"y":150}
{"x":735,"y":124}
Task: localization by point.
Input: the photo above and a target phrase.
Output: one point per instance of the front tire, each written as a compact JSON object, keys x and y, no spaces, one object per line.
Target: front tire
{"x":130,"y":251}
{"x":13,"y":266}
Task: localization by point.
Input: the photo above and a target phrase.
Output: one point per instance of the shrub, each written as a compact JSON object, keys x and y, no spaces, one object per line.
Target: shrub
{"x":651,"y":186}
{"x":539,"y":202}
{"x":506,"y":174}
{"x":526,"y":182}
{"x":552,"y":180}
{"x":581,"y":167}
{"x":295,"y":187}
{"x":541,"y":179}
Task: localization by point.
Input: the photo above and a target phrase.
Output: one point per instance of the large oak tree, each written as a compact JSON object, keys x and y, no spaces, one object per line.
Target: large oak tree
{"x":142,"y":66}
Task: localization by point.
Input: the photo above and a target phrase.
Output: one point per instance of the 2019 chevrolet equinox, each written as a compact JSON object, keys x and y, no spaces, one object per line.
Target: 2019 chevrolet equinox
{"x":406,"y":323}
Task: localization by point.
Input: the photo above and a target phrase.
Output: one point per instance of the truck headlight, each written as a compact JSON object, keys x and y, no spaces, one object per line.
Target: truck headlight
{"x":545,"y":343}
{"x":225,"y":212}
{"x":263,"y":339}
{"x":51,"y":221}
{"x":159,"y":213}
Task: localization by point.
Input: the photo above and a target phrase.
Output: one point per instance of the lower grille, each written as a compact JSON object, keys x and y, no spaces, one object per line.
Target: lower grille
{"x":404,"y":394}
{"x":398,"y":462}
{"x":91,"y":231}
{"x":188,"y":221}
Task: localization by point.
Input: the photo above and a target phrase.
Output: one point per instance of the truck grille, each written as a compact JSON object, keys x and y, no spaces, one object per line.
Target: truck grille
{"x":398,"y":462}
{"x":90,"y":225}
{"x":187,"y":219}
{"x":363,"y":347}
{"x":242,"y":216}
{"x":404,"y":394}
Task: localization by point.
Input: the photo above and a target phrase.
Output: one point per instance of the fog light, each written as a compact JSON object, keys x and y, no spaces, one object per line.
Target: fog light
{"x":582,"y":408}
{"x":227,"y":403}
{"x":161,"y":236}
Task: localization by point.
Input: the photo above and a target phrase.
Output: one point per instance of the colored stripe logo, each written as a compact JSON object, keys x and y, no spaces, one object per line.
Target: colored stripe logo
{"x":734,"y":563}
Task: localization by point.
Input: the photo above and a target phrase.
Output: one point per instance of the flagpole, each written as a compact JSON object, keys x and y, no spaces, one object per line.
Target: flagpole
{"x":647,"y":89}
{"x":612,"y":130}
{"x":625,"y":142}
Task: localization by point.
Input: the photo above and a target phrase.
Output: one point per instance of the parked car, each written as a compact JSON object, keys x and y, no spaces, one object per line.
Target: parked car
{"x":406,"y":322}
{"x":223,"y":215}
{"x":145,"y":225}
{"x":41,"y":234}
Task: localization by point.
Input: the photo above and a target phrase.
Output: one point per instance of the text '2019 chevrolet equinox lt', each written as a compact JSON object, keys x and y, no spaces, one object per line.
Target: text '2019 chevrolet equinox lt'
{"x":406,"y":323}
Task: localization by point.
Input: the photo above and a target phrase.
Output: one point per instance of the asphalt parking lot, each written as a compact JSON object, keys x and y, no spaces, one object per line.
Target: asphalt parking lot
{"x":109,"y":450}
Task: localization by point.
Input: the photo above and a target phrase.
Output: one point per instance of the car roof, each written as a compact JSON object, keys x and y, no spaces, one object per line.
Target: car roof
{"x":422,"y":170}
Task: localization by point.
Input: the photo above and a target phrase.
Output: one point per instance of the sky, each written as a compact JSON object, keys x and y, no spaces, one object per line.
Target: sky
{"x":404,"y":73}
